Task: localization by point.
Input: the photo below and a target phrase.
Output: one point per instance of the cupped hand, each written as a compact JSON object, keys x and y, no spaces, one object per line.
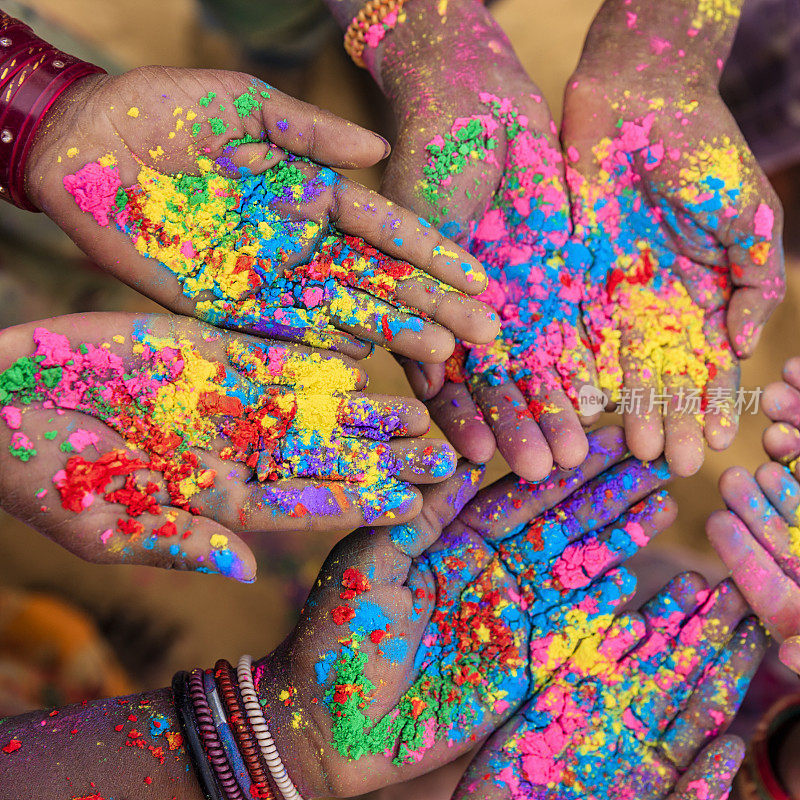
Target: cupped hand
{"x":155,"y":439}
{"x":414,"y":645}
{"x":178,"y":182}
{"x":758,"y":537}
{"x":683,"y":227}
{"x":477,"y":154}
{"x":636,"y":712}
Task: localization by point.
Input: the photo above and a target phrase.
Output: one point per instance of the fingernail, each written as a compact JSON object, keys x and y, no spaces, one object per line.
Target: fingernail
{"x":387,"y":148}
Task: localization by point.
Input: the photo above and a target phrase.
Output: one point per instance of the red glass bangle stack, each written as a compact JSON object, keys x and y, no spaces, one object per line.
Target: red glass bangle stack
{"x":230,"y":746}
{"x":33,"y":75}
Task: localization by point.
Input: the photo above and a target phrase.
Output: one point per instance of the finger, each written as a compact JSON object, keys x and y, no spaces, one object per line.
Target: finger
{"x":440,"y":506}
{"x":781,"y":442}
{"x":462,"y":422}
{"x":677,"y":662}
{"x":394,"y":416}
{"x":683,"y":430}
{"x":625,"y":633}
{"x":711,"y":775}
{"x":666,"y":611}
{"x":469,"y":319}
{"x":426,"y":380}
{"x":560,"y":425}
{"x":519,"y":439}
{"x":644,"y":429}
{"x":307,"y":130}
{"x":510,"y":502}
{"x":757,"y":270}
{"x":593,"y":555}
{"x":307,"y":505}
{"x":556,"y":633}
{"x":790,"y":653}
{"x":424,"y":460}
{"x":173,"y":539}
{"x":781,"y":489}
{"x":714,"y":703}
{"x":400,"y":233}
{"x":781,"y":402}
{"x":770,"y":592}
{"x":720,"y":421}
{"x":743,"y":496}
{"x":601,"y":501}
{"x":379,"y":322}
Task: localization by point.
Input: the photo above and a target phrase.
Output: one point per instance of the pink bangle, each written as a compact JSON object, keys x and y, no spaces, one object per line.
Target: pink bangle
{"x":33,"y":75}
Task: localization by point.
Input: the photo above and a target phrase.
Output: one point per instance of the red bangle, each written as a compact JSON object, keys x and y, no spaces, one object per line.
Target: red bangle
{"x":33,"y":75}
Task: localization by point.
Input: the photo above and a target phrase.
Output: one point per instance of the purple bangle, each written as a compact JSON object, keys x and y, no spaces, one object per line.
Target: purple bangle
{"x":226,"y":739}
{"x":209,"y":737}
{"x":33,"y":75}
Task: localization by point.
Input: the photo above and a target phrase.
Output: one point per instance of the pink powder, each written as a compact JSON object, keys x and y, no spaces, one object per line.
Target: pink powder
{"x":94,"y":188}
{"x":764,"y":220}
{"x":11,"y":416}
{"x":637,"y":534}
{"x":81,"y":439}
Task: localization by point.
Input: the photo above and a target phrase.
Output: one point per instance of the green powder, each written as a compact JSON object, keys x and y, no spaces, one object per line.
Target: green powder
{"x":245,"y":104}
{"x":206,"y":101}
{"x":218,"y":127}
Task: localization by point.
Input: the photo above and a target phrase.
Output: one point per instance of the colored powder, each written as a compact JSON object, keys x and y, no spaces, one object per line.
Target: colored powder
{"x":504,"y":619}
{"x":605,"y":699}
{"x":285,"y":414}
{"x":523,"y":240}
{"x":636,"y":307}
{"x":249,"y":262}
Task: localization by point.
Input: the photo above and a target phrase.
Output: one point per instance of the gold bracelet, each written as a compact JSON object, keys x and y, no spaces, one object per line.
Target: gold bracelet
{"x":374,"y":12}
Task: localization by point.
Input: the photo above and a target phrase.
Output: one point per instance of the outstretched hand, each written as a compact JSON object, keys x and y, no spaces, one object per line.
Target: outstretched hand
{"x":683,"y":226}
{"x":413,"y":646}
{"x":151,"y":439}
{"x":477,"y":154}
{"x":200,"y":188}
{"x":637,"y":710}
{"x":758,"y":537}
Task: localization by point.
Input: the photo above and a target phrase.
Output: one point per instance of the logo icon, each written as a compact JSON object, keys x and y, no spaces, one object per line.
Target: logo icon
{"x":591,"y":400}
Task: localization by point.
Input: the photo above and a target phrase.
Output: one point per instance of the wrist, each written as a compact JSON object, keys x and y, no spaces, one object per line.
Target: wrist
{"x":33,"y":76}
{"x":293,"y":731}
{"x":427,"y":41}
{"x":55,"y":124}
{"x":681,"y":39}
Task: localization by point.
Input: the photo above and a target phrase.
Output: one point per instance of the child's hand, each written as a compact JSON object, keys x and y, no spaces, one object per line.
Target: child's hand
{"x":636,"y":710}
{"x":758,"y":538}
{"x":178,"y":182}
{"x":683,"y":226}
{"x":414,"y":647}
{"x":478,"y":155}
{"x":150,"y":439}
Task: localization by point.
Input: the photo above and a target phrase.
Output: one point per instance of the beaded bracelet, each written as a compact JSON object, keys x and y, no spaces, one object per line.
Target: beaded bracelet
{"x":33,"y":75}
{"x":239,"y":725}
{"x":210,"y":738}
{"x":373,"y":13}
{"x":244,"y":671}
{"x":183,"y":709}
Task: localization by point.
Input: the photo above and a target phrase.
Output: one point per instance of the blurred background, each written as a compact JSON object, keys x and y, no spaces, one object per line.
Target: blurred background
{"x":70,"y":630}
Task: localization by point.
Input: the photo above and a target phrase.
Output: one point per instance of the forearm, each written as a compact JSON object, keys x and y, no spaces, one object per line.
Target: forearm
{"x":693,"y":36}
{"x":122,"y":747}
{"x":426,"y":43}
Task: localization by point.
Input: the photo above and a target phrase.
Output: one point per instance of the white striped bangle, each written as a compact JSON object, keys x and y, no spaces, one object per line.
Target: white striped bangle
{"x":244,"y":671}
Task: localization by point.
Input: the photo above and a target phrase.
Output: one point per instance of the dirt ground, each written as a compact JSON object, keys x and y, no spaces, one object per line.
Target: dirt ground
{"x":196,"y":618}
